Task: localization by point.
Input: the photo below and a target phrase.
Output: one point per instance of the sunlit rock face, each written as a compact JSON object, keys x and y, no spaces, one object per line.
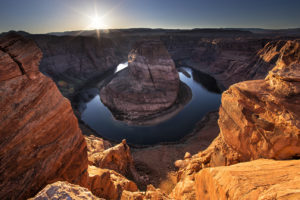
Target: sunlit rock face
{"x":150,"y":193}
{"x":65,"y":191}
{"x":40,"y":138}
{"x":118,"y":158}
{"x":261,"y":118}
{"x":259,"y":179}
{"x":257,"y":119}
{"x":149,"y":85}
{"x":108,"y":184}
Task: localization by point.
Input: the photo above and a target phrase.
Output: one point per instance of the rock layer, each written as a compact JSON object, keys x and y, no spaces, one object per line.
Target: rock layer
{"x":258,"y":119}
{"x":40,"y":139}
{"x":117,"y":158}
{"x":259,"y":179}
{"x":108,"y":184}
{"x":149,"y":85}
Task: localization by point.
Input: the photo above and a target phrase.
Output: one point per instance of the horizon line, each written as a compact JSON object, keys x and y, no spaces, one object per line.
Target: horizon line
{"x":82,"y":30}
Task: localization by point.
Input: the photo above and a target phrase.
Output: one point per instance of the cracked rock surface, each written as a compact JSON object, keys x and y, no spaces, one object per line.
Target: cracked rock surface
{"x":149,"y":85}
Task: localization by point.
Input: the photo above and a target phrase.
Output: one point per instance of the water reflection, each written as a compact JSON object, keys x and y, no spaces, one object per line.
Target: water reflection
{"x":121,"y":66}
{"x":204,"y":99}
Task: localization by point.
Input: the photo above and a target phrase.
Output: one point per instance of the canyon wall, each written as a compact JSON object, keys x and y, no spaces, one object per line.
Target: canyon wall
{"x":229,"y":60}
{"x":258,"y":119}
{"x":71,"y":61}
{"x":41,"y":142}
{"x":230,"y":56}
{"x":40,"y":139}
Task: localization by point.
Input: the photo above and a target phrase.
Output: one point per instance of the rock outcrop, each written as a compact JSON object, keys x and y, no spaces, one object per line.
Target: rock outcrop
{"x":64,"y":191}
{"x":149,"y":85}
{"x":108,"y":184}
{"x":95,"y":148}
{"x":74,"y":60}
{"x":151,"y":193}
{"x":259,"y":179}
{"x":117,"y":158}
{"x":258,"y":119}
{"x":229,"y":60}
{"x":40,"y":139}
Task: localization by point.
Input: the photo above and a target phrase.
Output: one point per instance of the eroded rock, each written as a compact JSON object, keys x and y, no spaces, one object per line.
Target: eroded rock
{"x":64,"y":191}
{"x":149,"y":85}
{"x":117,"y":158}
{"x":40,"y":138}
{"x":258,"y":119}
{"x":108,"y":184}
{"x":151,"y":193}
{"x":259,"y":179}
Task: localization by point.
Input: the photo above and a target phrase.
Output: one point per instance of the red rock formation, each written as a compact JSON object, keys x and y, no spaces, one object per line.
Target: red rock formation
{"x":95,"y":148}
{"x":148,"y":86}
{"x":40,"y":139}
{"x":259,"y":179}
{"x":108,"y":183}
{"x":117,"y":158}
{"x":151,"y":193}
{"x":64,"y":191}
{"x":258,"y":119}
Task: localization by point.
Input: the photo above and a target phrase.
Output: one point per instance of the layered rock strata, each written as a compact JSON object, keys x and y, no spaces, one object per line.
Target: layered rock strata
{"x":149,"y":85}
{"x":229,"y":60}
{"x":259,"y":179}
{"x":40,"y":139}
{"x":258,"y":119}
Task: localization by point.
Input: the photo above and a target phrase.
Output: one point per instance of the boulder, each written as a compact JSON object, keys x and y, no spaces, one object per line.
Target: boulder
{"x":64,"y":191}
{"x":259,"y":179}
{"x":117,"y":158}
{"x":151,"y":193}
{"x":95,"y":148}
{"x":108,"y":184}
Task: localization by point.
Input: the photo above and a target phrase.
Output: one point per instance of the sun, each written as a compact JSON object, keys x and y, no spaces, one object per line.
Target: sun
{"x":97,"y":22}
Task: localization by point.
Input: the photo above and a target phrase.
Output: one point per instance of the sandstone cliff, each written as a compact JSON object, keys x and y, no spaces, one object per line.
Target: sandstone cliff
{"x":73,"y":60}
{"x":229,"y":60}
{"x":257,"y":180}
{"x":40,"y":138}
{"x":149,"y":85}
{"x":258,"y":119}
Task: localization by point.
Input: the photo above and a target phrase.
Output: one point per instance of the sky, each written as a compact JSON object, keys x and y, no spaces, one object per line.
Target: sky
{"x":43,"y":16}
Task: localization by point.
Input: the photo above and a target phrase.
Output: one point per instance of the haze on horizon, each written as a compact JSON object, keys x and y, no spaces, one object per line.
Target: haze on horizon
{"x":43,"y":16}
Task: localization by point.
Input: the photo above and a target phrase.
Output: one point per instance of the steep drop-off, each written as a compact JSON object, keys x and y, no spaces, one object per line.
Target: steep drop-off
{"x":258,"y":119}
{"x":40,"y":139}
{"x":230,"y":56}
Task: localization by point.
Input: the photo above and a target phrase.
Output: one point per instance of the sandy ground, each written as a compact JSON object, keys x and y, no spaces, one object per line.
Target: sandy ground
{"x":156,"y":163}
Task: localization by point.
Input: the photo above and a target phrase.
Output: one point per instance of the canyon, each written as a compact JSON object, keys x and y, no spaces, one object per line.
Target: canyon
{"x":248,"y":150}
{"x":148,"y":86}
